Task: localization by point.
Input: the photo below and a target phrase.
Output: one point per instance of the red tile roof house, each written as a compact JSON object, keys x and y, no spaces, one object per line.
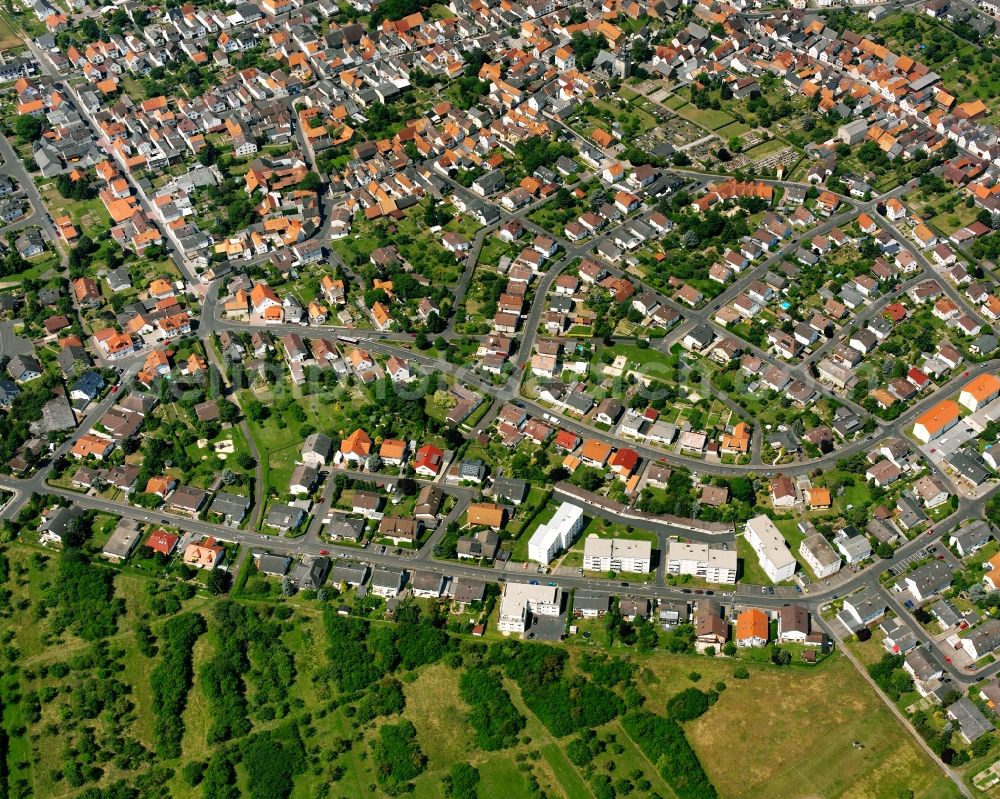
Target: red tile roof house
{"x":162,"y":542}
{"x":428,"y":461}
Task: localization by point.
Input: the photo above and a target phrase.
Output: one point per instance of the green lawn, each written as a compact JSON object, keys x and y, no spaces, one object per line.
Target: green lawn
{"x":750,"y":569}
{"x":705,"y":117}
{"x":499,"y":778}
{"x":520,"y":549}
{"x":278,"y":438}
{"x":765,"y":149}
{"x":794,"y":536}
{"x":735,"y":128}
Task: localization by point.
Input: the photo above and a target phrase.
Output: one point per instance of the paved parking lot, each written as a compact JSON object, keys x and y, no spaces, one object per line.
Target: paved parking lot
{"x":905,"y":563}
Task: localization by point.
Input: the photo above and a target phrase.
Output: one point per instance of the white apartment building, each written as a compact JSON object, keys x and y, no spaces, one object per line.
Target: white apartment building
{"x":617,"y":555}
{"x":819,"y":555}
{"x":712,"y":564}
{"x":520,"y":600}
{"x":556,"y":534}
{"x":767,"y":542}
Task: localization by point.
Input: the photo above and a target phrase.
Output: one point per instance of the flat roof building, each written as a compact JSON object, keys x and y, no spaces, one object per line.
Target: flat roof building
{"x":521,"y":600}
{"x":711,"y":563}
{"x":617,"y":554}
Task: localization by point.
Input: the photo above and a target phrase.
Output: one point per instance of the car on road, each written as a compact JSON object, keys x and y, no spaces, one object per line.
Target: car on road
{"x":551,"y":583}
{"x":763,"y":589}
{"x":532,"y":582}
{"x":324,"y":552}
{"x":114,"y":389}
{"x":685,"y":590}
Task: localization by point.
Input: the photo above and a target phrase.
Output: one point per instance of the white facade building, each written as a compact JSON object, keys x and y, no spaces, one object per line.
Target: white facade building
{"x":712,"y":564}
{"x":766,"y":540}
{"x":617,"y":555}
{"x":819,"y":555}
{"x":556,"y":534}
{"x":520,"y":600}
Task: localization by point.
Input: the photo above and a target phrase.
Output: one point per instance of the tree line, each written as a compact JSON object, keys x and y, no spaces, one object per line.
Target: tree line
{"x":493,"y":716}
{"x":170,"y":680}
{"x":662,"y":740}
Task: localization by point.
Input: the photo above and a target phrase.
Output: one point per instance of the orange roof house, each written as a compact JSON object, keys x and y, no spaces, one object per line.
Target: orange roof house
{"x":262,"y":296}
{"x":866,"y":223}
{"x":196,"y":364}
{"x":933,"y":422}
{"x":819,"y":498}
{"x":392,"y":451}
{"x":162,"y":542}
{"x":486,"y":514}
{"x":992,"y":577}
{"x":752,"y":628}
{"x":160,"y":288}
{"x":160,"y":486}
{"x":970,"y":110}
{"x":356,"y":446}
{"x":206,"y":554}
{"x":91,"y":445}
{"x":595,"y":453}
{"x":979,"y":391}
{"x":738,"y":441}
{"x":381,"y":315}
{"x":828,"y":200}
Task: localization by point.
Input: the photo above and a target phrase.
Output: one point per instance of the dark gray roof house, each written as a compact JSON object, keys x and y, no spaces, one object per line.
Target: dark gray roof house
{"x":910,"y":513}
{"x":590,"y":604}
{"x":971,"y":538}
{"x":347,"y":573}
{"x":467,"y":589}
{"x":971,"y":466}
{"x":346,"y":528}
{"x":482,"y":545}
{"x":187,"y":499}
{"x":511,"y":489}
{"x":386,"y":582}
{"x":284,"y":517}
{"x":428,"y":502}
{"x":72,"y":359}
{"x":23,"y":368}
{"x":232,"y":507}
{"x":273,"y":565}
{"x":427,"y":584}
{"x":58,"y":521}
{"x":316,"y":449}
{"x":972,"y":724}
{"x":8,"y":392}
{"x":303,"y":480}
{"x":309,"y":575}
